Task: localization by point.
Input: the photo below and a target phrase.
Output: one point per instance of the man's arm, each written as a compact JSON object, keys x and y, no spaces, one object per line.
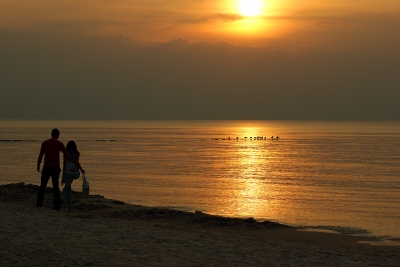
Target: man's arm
{"x":64,"y":163}
{"x":65,"y":152}
{"x":39,"y":161}
{"x":63,"y":170}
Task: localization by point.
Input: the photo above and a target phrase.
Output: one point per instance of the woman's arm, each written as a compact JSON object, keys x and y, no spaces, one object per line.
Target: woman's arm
{"x":78,"y":164}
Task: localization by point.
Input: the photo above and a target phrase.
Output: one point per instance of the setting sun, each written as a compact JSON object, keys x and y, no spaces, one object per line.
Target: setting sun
{"x":249,"y":7}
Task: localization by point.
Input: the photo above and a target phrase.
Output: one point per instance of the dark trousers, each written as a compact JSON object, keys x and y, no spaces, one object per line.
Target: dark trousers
{"x":54,"y":172}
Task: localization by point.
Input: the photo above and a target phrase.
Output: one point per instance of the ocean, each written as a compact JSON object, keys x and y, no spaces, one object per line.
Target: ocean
{"x":337,"y":175}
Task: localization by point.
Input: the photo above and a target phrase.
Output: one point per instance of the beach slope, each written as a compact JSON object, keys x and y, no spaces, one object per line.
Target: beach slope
{"x":105,"y":232}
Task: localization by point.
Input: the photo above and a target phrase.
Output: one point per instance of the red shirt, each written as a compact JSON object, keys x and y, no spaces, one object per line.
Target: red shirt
{"x":51,"y":149}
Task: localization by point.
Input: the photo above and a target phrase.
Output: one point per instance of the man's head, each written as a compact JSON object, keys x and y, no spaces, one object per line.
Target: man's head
{"x":55,"y":133}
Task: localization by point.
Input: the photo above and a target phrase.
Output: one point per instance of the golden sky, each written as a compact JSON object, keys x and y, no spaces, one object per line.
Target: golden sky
{"x":200,"y":59}
{"x":272,"y":22}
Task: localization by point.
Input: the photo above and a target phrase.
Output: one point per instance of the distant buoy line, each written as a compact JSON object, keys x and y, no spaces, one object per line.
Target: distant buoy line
{"x":18,"y":140}
{"x":251,"y":138}
{"x":93,"y":140}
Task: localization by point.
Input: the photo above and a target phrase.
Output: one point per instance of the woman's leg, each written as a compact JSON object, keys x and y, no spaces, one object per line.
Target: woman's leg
{"x":68,"y":181}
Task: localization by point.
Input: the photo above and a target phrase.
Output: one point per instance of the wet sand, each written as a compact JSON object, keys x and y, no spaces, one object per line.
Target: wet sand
{"x":105,"y":232}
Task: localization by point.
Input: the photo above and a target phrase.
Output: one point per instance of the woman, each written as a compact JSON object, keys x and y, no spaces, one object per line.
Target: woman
{"x":71,"y":171}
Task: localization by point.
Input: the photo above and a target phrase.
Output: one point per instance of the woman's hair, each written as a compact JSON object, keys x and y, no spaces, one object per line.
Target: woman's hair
{"x":72,"y":149}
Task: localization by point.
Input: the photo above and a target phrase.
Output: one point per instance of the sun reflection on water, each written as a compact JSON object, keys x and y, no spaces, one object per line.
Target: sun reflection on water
{"x":248,"y":190}
{"x":251,"y":185}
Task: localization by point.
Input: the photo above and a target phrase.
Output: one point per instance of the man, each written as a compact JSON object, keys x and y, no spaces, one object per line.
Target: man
{"x":51,"y":149}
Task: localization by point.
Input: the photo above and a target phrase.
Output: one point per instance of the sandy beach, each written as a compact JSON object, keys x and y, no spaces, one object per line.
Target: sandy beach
{"x":105,"y":232}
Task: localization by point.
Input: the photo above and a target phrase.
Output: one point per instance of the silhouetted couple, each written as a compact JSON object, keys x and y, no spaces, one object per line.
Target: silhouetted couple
{"x":51,"y":149}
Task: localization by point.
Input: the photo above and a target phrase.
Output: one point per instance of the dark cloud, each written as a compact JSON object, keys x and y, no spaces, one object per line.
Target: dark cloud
{"x":74,"y":25}
{"x":75,"y":76}
{"x":211,"y":19}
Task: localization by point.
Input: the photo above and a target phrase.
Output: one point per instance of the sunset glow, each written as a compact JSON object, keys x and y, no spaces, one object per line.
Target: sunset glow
{"x":208,"y":59}
{"x":281,"y":23}
{"x":250,"y":7}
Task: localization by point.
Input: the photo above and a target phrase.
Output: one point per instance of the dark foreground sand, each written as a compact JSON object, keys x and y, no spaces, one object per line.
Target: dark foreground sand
{"x":104,"y":232}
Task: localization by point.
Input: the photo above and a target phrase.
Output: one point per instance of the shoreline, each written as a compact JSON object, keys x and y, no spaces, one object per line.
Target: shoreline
{"x":103,"y":232}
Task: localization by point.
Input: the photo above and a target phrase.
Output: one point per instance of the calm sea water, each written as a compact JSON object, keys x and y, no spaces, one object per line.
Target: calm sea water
{"x":339,"y":175}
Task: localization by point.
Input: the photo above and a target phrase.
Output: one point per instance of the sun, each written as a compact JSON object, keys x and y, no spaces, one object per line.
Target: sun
{"x":249,"y":7}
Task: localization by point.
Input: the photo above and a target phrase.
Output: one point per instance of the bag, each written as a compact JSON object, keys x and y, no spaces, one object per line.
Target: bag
{"x":85,"y":186}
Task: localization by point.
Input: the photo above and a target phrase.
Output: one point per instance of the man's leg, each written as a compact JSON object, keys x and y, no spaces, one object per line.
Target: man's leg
{"x":43,"y":183}
{"x":55,"y":175}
